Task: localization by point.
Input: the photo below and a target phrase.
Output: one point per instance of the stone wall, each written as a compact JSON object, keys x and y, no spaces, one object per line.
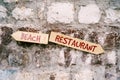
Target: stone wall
{"x":96,"y":21}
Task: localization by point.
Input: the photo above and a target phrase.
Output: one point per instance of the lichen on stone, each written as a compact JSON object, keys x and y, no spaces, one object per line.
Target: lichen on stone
{"x":93,"y":36}
{"x":41,"y":58}
{"x":4,"y":54}
{"x":18,"y":59}
{"x":110,"y":40}
{"x":6,"y":35}
{"x":52,"y":77}
{"x":79,"y":34}
{"x":96,"y":60}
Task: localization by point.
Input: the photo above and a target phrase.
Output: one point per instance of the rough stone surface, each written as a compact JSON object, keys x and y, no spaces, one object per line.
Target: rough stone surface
{"x":9,"y":1}
{"x":7,"y":74}
{"x":81,"y":75}
{"x":3,"y":12}
{"x":112,"y":16}
{"x":89,"y":14}
{"x":99,"y":73}
{"x":22,"y":13}
{"x":115,"y":3}
{"x":111,"y":56}
{"x":58,"y":13}
{"x":6,"y":35}
{"x":97,"y":21}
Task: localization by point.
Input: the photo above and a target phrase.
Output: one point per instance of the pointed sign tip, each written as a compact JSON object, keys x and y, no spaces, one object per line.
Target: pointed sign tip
{"x":15,"y":34}
{"x":100,"y":50}
{"x":12,"y":35}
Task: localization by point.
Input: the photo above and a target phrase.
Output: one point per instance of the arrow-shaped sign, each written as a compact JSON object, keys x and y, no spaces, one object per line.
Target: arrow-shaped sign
{"x":75,"y":43}
{"x":31,"y":37}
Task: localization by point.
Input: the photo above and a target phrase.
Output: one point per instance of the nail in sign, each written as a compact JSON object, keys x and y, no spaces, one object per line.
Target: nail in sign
{"x":75,"y":43}
{"x":31,"y":37}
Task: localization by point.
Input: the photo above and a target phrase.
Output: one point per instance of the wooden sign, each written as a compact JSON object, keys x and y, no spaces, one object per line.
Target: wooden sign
{"x":31,"y":37}
{"x":75,"y":43}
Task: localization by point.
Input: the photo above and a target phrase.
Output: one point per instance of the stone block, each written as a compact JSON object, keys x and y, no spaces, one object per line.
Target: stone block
{"x":89,"y":14}
{"x":112,"y":16}
{"x":22,"y":13}
{"x":60,"y":12}
{"x":111,"y":56}
{"x":83,"y":74}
